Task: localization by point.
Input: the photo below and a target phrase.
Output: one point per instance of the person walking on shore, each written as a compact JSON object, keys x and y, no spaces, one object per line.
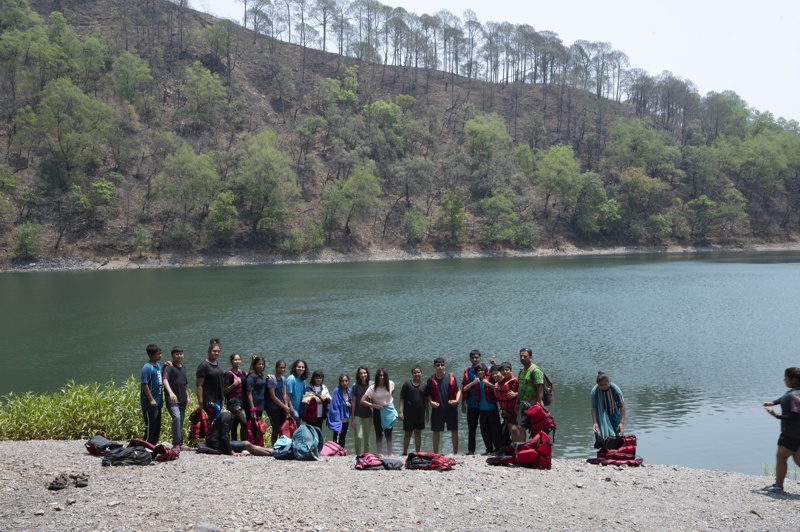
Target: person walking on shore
{"x":789,"y":440}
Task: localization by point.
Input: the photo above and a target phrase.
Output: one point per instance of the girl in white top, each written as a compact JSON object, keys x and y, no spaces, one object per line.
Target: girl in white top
{"x":379,"y":396}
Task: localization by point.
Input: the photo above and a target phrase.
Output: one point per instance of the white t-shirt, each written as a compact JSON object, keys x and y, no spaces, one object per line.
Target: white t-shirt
{"x":380,"y":396}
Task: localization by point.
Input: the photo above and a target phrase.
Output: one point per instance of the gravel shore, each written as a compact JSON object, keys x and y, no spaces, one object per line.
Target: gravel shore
{"x":203,"y":492}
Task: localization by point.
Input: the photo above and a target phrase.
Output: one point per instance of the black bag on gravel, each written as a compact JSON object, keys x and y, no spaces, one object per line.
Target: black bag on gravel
{"x":129,"y":456}
{"x":100,"y":446}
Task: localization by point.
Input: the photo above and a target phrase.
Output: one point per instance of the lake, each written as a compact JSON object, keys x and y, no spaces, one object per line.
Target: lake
{"x":696,"y":342}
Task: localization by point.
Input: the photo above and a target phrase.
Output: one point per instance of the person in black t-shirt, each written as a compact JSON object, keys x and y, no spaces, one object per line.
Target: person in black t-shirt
{"x":413,"y":409}
{"x":176,"y":397}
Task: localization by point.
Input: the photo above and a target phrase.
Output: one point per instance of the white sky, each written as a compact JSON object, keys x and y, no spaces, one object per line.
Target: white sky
{"x":747,"y":46}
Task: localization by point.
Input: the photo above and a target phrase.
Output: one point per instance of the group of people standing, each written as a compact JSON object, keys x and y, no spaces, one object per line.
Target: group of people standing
{"x":492,"y":398}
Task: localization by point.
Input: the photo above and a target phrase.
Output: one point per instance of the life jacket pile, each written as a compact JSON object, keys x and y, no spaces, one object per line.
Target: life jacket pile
{"x":431,"y":461}
{"x":619,"y":451}
{"x":371,"y":462}
{"x":537,"y":453}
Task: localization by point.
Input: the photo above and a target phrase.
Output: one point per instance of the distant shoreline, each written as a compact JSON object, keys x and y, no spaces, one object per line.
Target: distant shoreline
{"x":328,"y":256}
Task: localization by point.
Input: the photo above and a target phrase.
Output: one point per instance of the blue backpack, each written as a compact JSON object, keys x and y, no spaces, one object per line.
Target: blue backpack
{"x":282,"y":450}
{"x":307,"y":442}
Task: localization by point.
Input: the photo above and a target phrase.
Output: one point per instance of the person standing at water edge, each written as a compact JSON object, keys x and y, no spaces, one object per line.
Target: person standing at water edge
{"x":296,"y":385}
{"x":413,"y":409}
{"x":360,"y":415}
{"x":209,"y":381}
{"x":469,"y":401}
{"x":278,"y":404}
{"x":789,"y":440}
{"x":151,"y":394}
{"x":608,"y":408}
{"x":379,"y":397}
{"x":235,"y":382}
{"x":444,"y":394}
{"x":339,"y":411}
{"x":177,"y":399}
{"x":531,"y":389}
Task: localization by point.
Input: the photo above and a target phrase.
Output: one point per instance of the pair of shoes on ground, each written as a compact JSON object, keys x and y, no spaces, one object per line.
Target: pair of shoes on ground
{"x":63,"y":480}
{"x":178,"y":448}
{"x":774,"y":489}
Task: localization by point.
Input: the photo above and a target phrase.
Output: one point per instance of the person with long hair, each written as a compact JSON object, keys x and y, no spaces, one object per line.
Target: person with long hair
{"x":361,"y":415}
{"x":608,"y":408}
{"x":235,"y":383}
{"x":316,"y":400}
{"x":339,"y":411}
{"x":278,"y":405}
{"x":296,"y":385}
{"x":379,"y":397}
{"x":256,"y":386}
{"x":209,"y":381}
{"x":789,"y":440}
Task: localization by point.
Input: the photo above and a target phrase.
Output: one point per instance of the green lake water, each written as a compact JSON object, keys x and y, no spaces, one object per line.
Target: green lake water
{"x":695,"y":342}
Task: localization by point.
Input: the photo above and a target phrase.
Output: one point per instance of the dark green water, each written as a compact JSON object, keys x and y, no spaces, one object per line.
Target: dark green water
{"x":696,"y":342}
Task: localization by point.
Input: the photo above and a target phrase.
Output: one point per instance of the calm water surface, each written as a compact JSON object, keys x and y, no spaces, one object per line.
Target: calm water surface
{"x":696,"y":342}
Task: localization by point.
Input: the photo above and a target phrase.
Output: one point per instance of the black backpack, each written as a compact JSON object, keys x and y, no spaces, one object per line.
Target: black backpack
{"x":129,"y":456}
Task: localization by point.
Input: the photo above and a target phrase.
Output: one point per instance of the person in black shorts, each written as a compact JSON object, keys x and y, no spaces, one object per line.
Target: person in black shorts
{"x":413,"y":409}
{"x":789,"y":440}
{"x":444,"y":394}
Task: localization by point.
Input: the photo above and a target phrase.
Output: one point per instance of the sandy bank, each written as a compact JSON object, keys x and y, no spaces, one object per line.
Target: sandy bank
{"x":251,"y":493}
{"x":377,"y":255}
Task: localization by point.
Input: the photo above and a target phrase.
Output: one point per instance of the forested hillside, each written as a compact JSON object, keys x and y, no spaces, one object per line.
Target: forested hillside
{"x":141,"y":127}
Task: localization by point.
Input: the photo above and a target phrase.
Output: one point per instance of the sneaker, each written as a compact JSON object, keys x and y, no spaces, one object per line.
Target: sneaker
{"x":774,"y":489}
{"x":470,"y":453}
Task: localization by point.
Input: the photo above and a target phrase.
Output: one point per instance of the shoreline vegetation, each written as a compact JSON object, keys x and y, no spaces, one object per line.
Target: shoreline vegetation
{"x":330,"y":256}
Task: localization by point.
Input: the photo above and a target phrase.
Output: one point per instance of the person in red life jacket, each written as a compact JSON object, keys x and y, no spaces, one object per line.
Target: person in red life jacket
{"x":506,"y":392}
{"x":443,"y":394}
{"x":469,"y":400}
{"x":234,"y":382}
{"x":489,"y":416}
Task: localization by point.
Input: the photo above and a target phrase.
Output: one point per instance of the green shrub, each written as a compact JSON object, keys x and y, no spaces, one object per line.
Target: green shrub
{"x":27,"y":241}
{"x":78,"y":412}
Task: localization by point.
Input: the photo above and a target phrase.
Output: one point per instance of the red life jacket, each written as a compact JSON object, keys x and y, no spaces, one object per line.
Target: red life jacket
{"x":507,"y":405}
{"x":476,"y":390}
{"x":435,"y":387}
{"x":237,"y":392}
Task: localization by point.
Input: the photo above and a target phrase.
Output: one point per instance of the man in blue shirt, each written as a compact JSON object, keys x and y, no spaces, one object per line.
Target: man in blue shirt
{"x":151,"y":396}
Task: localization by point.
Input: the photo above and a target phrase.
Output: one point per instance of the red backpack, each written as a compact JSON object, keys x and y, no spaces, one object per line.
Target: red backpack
{"x":432,"y":461}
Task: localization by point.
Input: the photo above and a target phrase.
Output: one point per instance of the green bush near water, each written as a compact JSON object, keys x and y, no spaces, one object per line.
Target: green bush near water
{"x":78,"y":412}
